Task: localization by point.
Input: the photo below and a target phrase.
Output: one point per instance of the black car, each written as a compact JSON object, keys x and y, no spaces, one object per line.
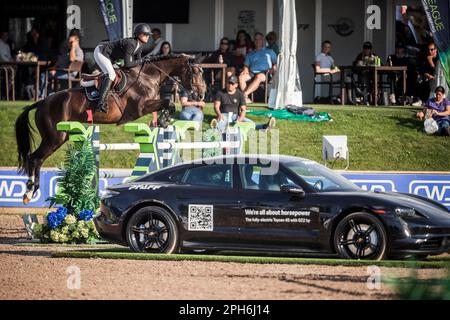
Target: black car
{"x":270,"y":204}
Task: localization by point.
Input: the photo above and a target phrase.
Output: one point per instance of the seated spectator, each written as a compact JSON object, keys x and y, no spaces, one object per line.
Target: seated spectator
{"x":271,"y":39}
{"x":5,"y":50}
{"x":439,"y":109}
{"x":166,"y":48}
{"x":37,"y":45}
{"x":192,"y":110}
{"x":232,"y":101}
{"x":242,"y":47}
{"x":155,"y":47}
{"x":64,"y":45}
{"x":364,"y":58}
{"x":223,"y":55}
{"x":74,"y":53}
{"x":427,"y":73}
{"x":324,"y":65}
{"x":398,"y":59}
{"x":324,"y":61}
{"x":166,"y":88}
{"x":257,"y":63}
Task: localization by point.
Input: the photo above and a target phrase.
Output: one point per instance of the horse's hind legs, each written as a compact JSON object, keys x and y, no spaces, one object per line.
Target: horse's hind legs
{"x":36,"y":159}
{"x":31,"y":189}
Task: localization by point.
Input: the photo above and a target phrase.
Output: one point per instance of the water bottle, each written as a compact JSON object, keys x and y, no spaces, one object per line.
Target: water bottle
{"x":230,"y":119}
{"x":220,"y":59}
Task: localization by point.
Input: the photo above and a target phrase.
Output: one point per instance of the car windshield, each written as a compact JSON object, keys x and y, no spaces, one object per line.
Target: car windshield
{"x":319,"y":177}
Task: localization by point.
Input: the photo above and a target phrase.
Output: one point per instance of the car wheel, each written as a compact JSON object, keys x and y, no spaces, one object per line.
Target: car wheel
{"x":360,"y":236}
{"x":152,"y":230}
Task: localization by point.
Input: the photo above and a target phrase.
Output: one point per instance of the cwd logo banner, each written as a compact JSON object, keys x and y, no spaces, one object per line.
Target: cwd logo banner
{"x":433,"y":186}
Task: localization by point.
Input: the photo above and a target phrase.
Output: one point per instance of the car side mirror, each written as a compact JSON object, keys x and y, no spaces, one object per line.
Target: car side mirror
{"x":293,"y":189}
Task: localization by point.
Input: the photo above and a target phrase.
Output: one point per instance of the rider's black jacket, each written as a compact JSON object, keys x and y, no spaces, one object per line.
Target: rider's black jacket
{"x":125,"y":49}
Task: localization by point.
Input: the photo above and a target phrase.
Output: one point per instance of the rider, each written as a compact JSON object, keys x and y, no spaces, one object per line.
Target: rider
{"x":128,"y":49}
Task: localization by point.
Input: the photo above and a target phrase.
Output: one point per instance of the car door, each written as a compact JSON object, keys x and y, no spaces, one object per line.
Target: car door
{"x":209,"y":204}
{"x":270,"y":217}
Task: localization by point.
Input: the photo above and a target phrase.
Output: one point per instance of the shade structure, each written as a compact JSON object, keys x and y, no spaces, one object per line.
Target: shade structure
{"x":287,"y":88}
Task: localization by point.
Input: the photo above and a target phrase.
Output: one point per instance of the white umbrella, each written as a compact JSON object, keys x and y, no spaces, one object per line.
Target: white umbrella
{"x":287,"y":88}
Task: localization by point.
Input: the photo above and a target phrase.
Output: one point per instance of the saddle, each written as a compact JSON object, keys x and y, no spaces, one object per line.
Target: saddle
{"x":92,"y":83}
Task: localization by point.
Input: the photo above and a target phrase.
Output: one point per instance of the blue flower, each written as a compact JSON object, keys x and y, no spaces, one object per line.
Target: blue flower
{"x":55,"y":218}
{"x":86,"y":215}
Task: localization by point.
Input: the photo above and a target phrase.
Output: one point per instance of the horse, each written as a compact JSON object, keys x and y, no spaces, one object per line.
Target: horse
{"x":139,"y":97}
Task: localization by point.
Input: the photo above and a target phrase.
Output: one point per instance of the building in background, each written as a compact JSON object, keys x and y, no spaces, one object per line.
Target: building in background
{"x":198,"y":25}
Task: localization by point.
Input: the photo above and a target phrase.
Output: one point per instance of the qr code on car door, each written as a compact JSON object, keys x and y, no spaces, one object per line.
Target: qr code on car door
{"x":200,"y":217}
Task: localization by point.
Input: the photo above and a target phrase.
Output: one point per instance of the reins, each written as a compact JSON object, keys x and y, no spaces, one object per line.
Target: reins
{"x":134,"y":82}
{"x":168,"y":75}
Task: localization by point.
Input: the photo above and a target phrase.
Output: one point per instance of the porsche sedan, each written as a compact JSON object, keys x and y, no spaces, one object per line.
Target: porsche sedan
{"x":271,"y":204}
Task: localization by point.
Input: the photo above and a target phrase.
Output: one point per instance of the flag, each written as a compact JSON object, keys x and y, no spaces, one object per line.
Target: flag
{"x":112,"y":17}
{"x":438,"y":12}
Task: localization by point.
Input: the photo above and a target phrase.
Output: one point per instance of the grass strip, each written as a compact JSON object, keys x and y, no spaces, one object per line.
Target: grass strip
{"x":251,"y":259}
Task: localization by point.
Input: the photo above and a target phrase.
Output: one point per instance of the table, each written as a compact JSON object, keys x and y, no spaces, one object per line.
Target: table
{"x":375,"y":71}
{"x":222,"y":66}
{"x":36,"y":64}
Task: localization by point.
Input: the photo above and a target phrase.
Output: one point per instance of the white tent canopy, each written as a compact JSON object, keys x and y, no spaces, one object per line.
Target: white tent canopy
{"x":287,"y":88}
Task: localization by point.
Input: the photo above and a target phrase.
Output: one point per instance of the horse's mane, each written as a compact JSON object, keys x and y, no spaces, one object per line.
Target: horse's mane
{"x":168,"y":57}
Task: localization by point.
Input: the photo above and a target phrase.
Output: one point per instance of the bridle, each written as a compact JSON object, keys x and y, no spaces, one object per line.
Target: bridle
{"x":191,"y":77}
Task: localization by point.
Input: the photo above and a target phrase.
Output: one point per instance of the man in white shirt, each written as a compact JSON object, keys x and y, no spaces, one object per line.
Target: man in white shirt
{"x":157,"y":42}
{"x":324,"y":65}
{"x":5,"y":50}
{"x":324,"y":61}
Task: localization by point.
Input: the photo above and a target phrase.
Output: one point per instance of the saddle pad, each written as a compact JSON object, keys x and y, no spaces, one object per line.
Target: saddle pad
{"x":92,"y":94}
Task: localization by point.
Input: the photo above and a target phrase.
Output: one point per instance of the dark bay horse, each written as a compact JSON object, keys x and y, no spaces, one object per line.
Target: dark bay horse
{"x":140,"y":97}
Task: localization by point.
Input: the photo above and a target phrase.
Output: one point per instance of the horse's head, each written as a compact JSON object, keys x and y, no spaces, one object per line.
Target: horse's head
{"x":182,"y":67}
{"x":192,"y":79}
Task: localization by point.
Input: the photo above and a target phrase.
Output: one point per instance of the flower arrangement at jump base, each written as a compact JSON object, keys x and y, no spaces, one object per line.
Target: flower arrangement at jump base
{"x":77,"y":200}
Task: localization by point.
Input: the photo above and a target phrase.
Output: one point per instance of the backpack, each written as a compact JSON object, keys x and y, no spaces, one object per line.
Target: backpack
{"x":306,"y":111}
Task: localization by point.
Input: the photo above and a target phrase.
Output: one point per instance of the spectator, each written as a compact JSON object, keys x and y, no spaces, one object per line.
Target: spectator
{"x":439,"y":109}
{"x":241,"y":48}
{"x":74,"y":53}
{"x":271,"y":39}
{"x":157,"y":42}
{"x":256,"y":64}
{"x":232,"y":101}
{"x":5,"y":50}
{"x":398,"y":59}
{"x":223,"y":55}
{"x":192,"y":110}
{"x":324,"y":61}
{"x":166,"y":48}
{"x":64,"y":46}
{"x":37,"y":45}
{"x":324,"y":65}
{"x":427,"y":70}
{"x":167,"y":86}
{"x":364,"y":58}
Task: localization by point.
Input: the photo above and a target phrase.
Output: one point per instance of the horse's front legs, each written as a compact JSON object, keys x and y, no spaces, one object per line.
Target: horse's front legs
{"x":166,"y":113}
{"x":167,"y":110}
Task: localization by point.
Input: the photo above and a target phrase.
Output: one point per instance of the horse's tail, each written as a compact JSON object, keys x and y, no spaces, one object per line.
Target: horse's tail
{"x":24,"y":137}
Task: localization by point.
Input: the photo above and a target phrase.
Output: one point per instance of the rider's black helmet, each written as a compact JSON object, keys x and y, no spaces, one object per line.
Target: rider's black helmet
{"x":142,"y":28}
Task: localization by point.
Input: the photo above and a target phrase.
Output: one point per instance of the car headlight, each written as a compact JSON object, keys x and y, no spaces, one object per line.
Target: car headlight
{"x":105,"y":194}
{"x":408,"y":213}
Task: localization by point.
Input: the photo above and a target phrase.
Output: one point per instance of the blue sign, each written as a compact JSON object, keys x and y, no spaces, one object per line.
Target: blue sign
{"x":112,"y":17}
{"x":433,"y":186}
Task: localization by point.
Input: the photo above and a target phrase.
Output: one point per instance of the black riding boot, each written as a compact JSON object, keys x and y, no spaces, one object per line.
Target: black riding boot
{"x":102,"y":104}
